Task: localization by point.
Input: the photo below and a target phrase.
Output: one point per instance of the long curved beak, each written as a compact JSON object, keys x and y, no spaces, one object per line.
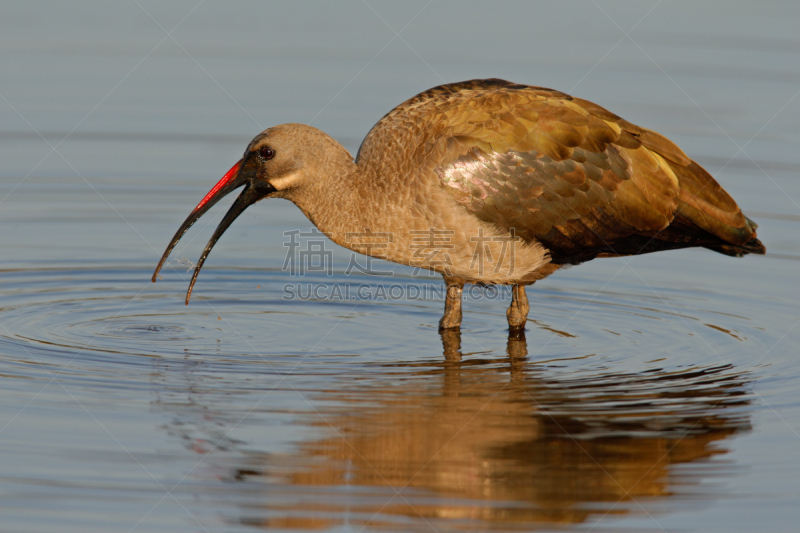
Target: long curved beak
{"x":232,"y":180}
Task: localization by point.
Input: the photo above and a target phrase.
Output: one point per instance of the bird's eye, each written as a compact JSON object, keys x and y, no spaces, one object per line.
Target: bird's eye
{"x":266,"y":153}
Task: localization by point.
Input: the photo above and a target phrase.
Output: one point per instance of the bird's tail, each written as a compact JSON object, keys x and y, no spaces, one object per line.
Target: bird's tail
{"x":753,"y":246}
{"x":704,"y":204}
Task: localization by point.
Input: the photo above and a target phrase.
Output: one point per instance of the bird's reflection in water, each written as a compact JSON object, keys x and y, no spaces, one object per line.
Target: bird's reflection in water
{"x":498,"y":443}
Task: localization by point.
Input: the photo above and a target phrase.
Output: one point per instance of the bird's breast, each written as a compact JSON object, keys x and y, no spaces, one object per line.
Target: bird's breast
{"x":427,"y":229}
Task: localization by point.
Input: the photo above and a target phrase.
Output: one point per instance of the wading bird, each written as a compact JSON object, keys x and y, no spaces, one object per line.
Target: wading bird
{"x":489,"y":182}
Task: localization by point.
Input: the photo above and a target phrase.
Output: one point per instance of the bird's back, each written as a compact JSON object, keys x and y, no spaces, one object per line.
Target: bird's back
{"x":558,"y":170}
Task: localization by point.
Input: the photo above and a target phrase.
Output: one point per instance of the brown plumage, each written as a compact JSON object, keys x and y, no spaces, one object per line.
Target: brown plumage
{"x":487,"y":181}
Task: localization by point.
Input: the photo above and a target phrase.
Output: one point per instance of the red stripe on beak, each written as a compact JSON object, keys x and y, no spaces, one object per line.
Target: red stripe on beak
{"x":224,"y":186}
{"x":220,"y":184}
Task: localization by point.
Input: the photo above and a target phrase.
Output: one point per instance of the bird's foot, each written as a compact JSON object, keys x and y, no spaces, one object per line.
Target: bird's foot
{"x":516,"y":332}
{"x":516,"y":319}
{"x":450,"y":322}
{"x":452,"y":307}
{"x":517,"y":312}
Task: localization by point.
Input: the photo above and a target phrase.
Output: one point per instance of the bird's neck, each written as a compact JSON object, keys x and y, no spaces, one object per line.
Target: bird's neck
{"x":340,"y":203}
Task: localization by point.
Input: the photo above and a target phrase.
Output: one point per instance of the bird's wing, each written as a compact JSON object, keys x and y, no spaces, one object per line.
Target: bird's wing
{"x":564,"y":171}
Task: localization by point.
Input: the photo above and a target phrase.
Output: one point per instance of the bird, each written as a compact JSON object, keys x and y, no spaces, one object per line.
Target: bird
{"x":488,"y":182}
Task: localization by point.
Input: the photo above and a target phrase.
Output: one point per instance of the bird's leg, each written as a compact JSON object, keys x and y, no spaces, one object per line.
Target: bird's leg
{"x":518,"y":310}
{"x":452,"y":305}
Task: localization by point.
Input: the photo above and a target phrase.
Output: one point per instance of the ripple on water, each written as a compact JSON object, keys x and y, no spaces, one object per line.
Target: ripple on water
{"x":247,"y":377}
{"x":85,"y":320}
{"x":116,"y":313}
{"x":147,"y":329}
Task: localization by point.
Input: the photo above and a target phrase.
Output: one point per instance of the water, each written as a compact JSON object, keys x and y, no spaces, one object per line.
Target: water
{"x":650,"y":393}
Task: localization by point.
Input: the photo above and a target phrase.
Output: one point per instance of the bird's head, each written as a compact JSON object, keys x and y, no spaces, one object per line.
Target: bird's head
{"x":281,"y":162}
